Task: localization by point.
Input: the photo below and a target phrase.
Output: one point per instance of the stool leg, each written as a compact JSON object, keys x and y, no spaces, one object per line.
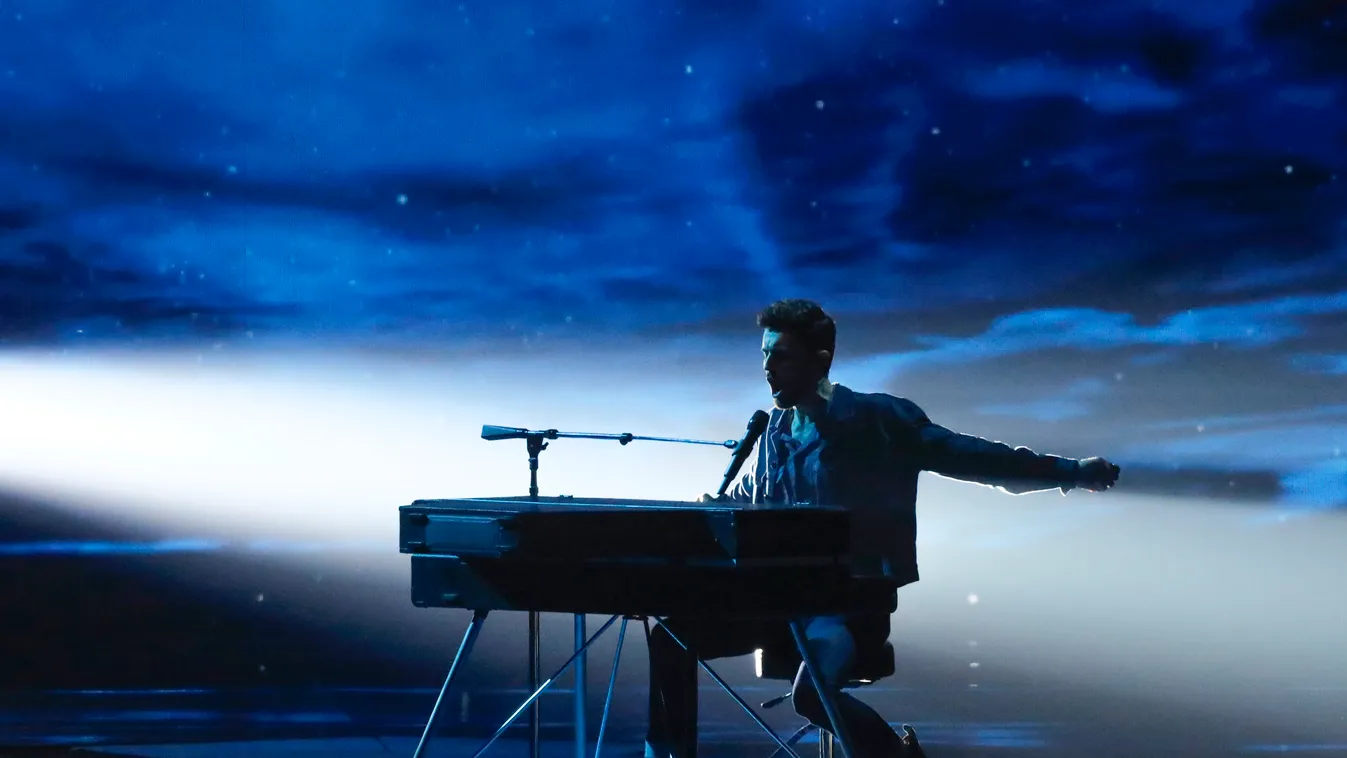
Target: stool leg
{"x":794,"y":738}
{"x":825,"y":744}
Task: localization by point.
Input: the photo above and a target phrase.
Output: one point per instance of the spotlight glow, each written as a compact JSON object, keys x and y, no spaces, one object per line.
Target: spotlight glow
{"x":321,"y":446}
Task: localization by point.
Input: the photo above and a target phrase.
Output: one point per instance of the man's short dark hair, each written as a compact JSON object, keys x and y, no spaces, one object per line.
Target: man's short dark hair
{"x":804,"y":320}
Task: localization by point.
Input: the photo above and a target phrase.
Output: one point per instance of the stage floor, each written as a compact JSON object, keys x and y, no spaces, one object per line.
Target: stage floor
{"x":338,"y":722}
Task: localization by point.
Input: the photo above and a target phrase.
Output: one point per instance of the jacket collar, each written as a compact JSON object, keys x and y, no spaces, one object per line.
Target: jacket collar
{"x":841,"y":408}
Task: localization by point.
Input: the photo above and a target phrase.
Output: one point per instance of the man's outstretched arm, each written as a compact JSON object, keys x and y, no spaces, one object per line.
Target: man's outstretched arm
{"x":1017,"y":470}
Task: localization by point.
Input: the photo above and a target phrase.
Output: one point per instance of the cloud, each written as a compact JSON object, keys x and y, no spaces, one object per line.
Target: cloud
{"x":1320,"y":486}
{"x":1071,"y":402}
{"x":1279,"y":418}
{"x":1118,"y":89}
{"x":1306,"y":460}
{"x":1113,"y":180}
{"x":1288,"y":448}
{"x":1248,"y":325}
{"x":1321,"y":364}
{"x":49,"y":292}
{"x":1196,"y":479}
{"x":904,"y":159}
{"x":1259,"y":272}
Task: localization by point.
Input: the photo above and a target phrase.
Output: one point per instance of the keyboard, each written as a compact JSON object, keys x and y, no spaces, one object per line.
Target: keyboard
{"x":632,"y":557}
{"x":596,"y":529}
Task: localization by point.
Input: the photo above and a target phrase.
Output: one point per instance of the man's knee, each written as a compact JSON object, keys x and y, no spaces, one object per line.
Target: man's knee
{"x":804,"y":697}
{"x":833,"y":650}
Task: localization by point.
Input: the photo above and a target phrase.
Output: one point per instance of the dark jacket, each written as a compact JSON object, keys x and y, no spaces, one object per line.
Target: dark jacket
{"x":866,"y":456}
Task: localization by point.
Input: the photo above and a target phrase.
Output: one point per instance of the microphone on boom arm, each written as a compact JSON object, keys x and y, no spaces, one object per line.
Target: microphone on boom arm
{"x":756,"y":426}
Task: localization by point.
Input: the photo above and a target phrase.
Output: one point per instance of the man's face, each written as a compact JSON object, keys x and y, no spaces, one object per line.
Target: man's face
{"x":793,"y":373}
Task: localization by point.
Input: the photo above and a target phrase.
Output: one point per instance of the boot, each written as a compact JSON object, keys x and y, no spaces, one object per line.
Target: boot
{"x":911,"y":748}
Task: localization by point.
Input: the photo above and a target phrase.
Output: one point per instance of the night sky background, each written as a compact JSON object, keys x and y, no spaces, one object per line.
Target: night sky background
{"x":267,"y":265}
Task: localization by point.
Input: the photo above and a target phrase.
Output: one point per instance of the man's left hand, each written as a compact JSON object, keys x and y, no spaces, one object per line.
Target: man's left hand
{"x":1096,"y":474}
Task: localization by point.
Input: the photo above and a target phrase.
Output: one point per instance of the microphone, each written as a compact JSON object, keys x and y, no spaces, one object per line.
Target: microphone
{"x":494,"y":433}
{"x":756,"y":426}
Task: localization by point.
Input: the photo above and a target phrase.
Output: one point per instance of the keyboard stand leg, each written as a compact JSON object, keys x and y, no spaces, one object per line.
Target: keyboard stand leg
{"x":581,"y":680}
{"x":535,"y":673}
{"x":542,"y":687}
{"x":839,"y":730}
{"x":724,"y":685}
{"x":464,"y":650}
{"x":608,"y":697}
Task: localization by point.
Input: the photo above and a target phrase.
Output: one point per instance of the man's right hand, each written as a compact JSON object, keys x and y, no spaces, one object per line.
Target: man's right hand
{"x":713,"y":499}
{"x":1097,"y":474}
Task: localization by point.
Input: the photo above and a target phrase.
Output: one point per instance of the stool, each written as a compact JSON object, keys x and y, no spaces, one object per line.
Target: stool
{"x":873,"y":662}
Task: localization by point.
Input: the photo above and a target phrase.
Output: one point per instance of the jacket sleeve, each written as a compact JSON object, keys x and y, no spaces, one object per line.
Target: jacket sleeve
{"x":1017,"y":470}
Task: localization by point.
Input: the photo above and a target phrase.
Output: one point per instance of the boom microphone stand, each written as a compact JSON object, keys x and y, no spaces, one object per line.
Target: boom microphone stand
{"x":536,"y":442}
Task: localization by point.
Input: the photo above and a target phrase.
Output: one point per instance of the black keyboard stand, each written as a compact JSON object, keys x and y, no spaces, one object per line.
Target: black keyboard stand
{"x":475,"y":627}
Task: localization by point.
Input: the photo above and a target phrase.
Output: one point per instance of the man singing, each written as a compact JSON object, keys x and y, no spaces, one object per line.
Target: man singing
{"x":829,"y":445}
